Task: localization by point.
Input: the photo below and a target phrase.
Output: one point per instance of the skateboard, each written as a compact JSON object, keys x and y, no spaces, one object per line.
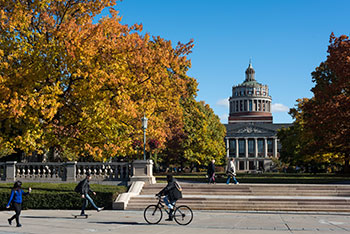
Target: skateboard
{"x":80,"y":216}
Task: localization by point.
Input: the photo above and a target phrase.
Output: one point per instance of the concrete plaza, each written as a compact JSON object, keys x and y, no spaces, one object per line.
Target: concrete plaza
{"x":61,"y":221}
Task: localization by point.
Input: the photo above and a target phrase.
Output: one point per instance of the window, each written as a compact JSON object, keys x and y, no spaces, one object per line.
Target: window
{"x":232,"y":148}
{"x":261,"y":166}
{"x":250,"y":105}
{"x":241,"y":148}
{"x":251,"y":148}
{"x":261,"y":148}
{"x":269,"y":147}
{"x":251,"y":165}
{"x":241,"y":165}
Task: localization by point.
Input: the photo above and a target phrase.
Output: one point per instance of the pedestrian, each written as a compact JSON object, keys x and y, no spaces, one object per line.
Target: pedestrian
{"x":211,"y":172}
{"x":84,"y":188}
{"x":231,"y":171}
{"x":16,"y":201}
{"x":171,"y":192}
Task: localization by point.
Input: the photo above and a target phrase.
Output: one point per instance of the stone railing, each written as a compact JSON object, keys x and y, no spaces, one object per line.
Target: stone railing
{"x":75,"y":171}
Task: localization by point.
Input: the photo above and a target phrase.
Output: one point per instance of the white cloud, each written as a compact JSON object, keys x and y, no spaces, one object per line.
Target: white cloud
{"x":278,"y":107}
{"x":224,"y":118}
{"x":223,"y":102}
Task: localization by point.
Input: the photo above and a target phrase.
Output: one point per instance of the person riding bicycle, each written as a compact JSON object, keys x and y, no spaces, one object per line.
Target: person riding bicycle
{"x":171,"y":194}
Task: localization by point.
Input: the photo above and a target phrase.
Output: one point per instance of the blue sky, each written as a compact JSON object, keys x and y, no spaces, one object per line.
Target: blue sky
{"x":286,"y":40}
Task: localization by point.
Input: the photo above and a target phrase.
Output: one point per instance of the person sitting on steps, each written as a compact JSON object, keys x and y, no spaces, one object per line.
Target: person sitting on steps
{"x":171,"y":195}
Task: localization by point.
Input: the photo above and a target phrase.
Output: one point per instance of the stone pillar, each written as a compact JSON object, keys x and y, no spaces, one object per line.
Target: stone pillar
{"x":11,"y":171}
{"x":275,"y":147}
{"x":246,"y":147}
{"x":256,"y":146}
{"x":265,"y":147}
{"x":237,"y":150}
{"x":227,"y":147}
{"x":71,"y":171}
{"x":142,"y":170}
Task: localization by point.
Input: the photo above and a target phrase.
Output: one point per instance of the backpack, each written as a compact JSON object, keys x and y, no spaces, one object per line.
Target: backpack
{"x":178,"y":190}
{"x":79,"y":187}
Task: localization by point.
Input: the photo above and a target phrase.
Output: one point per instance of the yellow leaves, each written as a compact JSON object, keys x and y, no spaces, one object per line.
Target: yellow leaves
{"x":85,"y":86}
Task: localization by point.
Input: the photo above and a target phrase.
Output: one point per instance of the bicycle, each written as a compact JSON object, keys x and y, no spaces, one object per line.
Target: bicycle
{"x":153,"y":214}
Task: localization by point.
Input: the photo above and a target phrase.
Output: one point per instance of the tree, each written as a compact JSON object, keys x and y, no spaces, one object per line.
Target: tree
{"x":68,"y":84}
{"x":324,"y":119}
{"x":200,"y":139}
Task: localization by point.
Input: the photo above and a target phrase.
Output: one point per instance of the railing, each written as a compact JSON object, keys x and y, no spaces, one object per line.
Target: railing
{"x":104,"y":171}
{"x":41,"y":171}
{"x":139,"y":170}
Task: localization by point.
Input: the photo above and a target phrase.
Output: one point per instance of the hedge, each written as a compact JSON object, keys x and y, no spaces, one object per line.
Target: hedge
{"x":61,"y":196}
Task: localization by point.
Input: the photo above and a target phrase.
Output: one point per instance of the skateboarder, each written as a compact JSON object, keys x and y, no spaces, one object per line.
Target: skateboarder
{"x":84,"y":188}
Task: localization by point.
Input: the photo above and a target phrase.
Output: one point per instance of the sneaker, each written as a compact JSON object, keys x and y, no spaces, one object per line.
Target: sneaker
{"x":99,"y":209}
{"x":237,"y":183}
{"x":10,"y":221}
{"x":19,"y":225}
{"x":169,"y":219}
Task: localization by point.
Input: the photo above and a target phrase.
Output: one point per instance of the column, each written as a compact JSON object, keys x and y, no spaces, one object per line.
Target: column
{"x":256,"y":146}
{"x":142,"y":170}
{"x":265,"y":147}
{"x":11,"y":171}
{"x":246,"y":147}
{"x":227,"y":147}
{"x":275,"y":147}
{"x":237,"y":147}
{"x":71,"y":171}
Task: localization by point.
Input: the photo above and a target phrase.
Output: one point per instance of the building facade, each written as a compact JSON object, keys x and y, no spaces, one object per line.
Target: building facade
{"x":251,"y":135}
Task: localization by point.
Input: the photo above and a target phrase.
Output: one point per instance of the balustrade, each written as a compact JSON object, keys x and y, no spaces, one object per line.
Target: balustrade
{"x":76,"y":171}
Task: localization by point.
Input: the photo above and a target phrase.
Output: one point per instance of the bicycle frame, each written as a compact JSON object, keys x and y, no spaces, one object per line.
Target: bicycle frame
{"x":161,"y":205}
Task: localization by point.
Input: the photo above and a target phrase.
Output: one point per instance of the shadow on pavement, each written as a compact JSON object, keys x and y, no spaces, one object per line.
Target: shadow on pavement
{"x":44,"y":217}
{"x":124,"y":223}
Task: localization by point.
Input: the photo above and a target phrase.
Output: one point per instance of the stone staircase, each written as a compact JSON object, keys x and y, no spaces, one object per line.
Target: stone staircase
{"x":254,"y":197}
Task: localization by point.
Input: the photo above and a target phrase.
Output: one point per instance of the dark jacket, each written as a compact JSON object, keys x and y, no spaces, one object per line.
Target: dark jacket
{"x":171,"y":191}
{"x":211,"y":168}
{"x":85,"y":186}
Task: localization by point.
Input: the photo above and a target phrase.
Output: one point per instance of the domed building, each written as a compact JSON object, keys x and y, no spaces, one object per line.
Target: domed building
{"x":251,"y":134}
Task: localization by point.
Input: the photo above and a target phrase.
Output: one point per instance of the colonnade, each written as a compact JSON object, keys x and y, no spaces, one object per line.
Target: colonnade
{"x":251,"y":152}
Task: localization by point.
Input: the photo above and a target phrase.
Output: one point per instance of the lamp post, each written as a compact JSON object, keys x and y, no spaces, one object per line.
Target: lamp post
{"x":144,"y":127}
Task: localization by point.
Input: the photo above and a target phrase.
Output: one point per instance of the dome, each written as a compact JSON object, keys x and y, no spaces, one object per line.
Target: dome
{"x":249,"y":73}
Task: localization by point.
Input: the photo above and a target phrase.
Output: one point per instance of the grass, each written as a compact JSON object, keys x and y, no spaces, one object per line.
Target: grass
{"x":269,"y":178}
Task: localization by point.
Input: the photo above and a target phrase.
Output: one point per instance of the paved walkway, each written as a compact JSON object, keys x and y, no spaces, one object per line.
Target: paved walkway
{"x":61,"y":221}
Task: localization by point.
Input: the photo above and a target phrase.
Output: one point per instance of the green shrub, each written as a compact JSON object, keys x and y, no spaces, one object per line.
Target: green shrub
{"x":61,"y":196}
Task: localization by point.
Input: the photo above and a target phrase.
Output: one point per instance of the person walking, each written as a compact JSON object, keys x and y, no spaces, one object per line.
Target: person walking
{"x":231,"y":171}
{"x":171,"y":192}
{"x":16,"y":201}
{"x":84,"y":188}
{"x":211,"y":172}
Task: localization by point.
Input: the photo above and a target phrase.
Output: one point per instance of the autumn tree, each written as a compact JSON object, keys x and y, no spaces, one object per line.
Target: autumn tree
{"x":324,"y":119}
{"x":81,"y":88}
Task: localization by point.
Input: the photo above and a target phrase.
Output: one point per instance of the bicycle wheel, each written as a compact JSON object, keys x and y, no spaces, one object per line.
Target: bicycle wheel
{"x":153,"y":214}
{"x":183,"y":215}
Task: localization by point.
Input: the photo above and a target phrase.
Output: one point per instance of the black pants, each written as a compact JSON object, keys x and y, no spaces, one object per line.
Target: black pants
{"x":18,"y":208}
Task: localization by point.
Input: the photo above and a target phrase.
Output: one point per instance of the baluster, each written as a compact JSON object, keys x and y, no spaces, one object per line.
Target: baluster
{"x":111,"y":173}
{"x":78,"y":173}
